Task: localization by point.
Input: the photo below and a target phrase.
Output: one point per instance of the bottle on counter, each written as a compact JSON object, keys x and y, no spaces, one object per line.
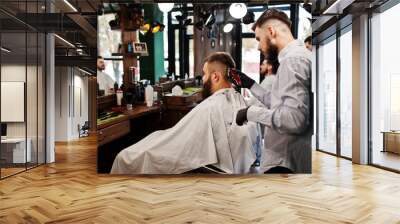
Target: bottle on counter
{"x":119,"y":97}
{"x":130,"y":47}
{"x":149,"y":95}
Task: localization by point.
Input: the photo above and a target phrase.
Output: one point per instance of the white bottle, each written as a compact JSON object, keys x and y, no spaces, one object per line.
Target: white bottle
{"x":119,"y":97}
{"x":149,"y":92}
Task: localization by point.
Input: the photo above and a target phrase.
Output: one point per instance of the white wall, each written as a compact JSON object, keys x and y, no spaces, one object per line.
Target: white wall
{"x":61,"y":103}
{"x":16,"y":73}
{"x":71,"y":102}
{"x":33,"y":127}
{"x":80,"y":110}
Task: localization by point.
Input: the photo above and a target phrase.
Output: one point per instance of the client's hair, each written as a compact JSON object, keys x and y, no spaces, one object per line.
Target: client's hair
{"x":221,"y":57}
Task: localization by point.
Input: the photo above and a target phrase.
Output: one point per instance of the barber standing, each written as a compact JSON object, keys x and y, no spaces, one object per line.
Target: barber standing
{"x":286,"y":115}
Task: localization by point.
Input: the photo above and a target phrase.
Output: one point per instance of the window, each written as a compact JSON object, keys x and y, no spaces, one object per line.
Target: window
{"x":327,"y":95}
{"x":385,"y":88}
{"x":115,"y":69}
{"x":251,"y":58}
{"x":304,"y":28}
{"x":191,"y":58}
{"x":177,"y":56}
{"x":183,"y":51}
{"x":165,"y":36}
{"x":346,"y":93}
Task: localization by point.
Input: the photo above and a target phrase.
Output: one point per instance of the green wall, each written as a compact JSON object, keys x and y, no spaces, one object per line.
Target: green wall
{"x":152,"y":66}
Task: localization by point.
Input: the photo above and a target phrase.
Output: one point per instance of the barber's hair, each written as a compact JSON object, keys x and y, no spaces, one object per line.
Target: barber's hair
{"x":272,"y":14}
{"x":221,"y":57}
{"x":308,"y":39}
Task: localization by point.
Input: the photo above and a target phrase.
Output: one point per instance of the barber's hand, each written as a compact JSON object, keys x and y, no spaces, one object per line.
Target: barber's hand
{"x":241,"y":116}
{"x":247,"y":82}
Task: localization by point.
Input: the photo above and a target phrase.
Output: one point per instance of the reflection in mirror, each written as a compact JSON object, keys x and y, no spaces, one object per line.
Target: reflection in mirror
{"x":110,"y":41}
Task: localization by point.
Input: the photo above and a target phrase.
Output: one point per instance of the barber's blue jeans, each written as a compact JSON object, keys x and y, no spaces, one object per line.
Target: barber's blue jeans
{"x":258,"y":146}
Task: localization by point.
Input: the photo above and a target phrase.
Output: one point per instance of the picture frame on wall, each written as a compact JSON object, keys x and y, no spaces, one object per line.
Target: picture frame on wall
{"x":140,"y":48}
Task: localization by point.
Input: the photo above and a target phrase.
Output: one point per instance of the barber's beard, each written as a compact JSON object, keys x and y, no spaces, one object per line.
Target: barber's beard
{"x":207,"y":89}
{"x":272,"y":52}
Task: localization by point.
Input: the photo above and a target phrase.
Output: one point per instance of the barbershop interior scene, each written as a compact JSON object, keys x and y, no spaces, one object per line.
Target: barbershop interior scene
{"x":260,"y":111}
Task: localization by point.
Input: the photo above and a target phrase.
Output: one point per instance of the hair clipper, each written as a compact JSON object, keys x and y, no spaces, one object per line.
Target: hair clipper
{"x":234,"y":77}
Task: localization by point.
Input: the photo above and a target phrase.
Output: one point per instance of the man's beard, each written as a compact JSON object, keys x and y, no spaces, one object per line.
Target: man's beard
{"x":272,"y":52}
{"x":207,"y":89}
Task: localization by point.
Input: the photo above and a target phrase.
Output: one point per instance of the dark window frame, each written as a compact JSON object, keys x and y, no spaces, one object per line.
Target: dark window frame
{"x":339,"y":32}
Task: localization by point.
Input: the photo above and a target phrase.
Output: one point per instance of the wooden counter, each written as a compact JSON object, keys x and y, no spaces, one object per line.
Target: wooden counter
{"x":138,"y":111}
{"x":115,"y":134}
{"x":120,"y":126}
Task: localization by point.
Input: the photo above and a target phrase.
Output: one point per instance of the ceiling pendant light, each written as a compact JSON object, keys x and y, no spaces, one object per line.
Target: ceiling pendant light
{"x":145,"y":28}
{"x":165,"y":7}
{"x":238,"y":10}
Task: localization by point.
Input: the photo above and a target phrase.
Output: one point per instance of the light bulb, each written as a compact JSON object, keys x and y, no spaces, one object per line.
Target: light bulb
{"x":228,"y":28}
{"x":238,"y":10}
{"x":165,"y":7}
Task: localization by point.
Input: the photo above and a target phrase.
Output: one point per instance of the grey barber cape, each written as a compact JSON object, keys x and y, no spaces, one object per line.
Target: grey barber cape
{"x":286,"y":112}
{"x":207,"y":135}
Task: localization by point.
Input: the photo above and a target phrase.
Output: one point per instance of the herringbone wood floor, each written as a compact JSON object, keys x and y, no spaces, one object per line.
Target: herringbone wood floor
{"x":70,"y":191}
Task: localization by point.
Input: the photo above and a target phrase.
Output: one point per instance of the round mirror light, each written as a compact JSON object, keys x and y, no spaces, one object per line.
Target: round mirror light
{"x":238,"y":10}
{"x":228,"y":27}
